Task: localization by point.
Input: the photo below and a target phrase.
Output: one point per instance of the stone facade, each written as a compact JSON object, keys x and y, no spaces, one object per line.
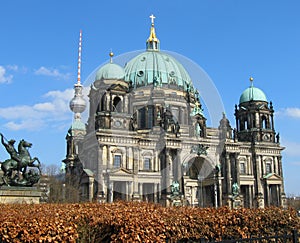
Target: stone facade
{"x":146,"y":130}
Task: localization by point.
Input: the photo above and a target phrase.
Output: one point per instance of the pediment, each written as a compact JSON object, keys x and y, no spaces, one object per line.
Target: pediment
{"x":272,"y":177}
{"x":118,"y":87}
{"x":121,"y":172}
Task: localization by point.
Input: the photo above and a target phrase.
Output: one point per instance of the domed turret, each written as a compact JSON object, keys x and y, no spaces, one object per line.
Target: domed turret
{"x":252,"y":94}
{"x":254,"y":116}
{"x":110,"y":71}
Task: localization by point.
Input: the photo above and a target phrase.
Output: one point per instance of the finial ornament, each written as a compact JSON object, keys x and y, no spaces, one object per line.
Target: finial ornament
{"x":111,"y":54}
{"x":251,"y":81}
{"x":152,"y":17}
{"x":79,"y":59}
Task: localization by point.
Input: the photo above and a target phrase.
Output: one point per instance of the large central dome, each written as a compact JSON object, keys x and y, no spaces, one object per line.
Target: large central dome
{"x":156,"y":68}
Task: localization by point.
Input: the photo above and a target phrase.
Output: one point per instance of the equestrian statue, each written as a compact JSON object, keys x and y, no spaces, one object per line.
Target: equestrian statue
{"x":15,"y":169}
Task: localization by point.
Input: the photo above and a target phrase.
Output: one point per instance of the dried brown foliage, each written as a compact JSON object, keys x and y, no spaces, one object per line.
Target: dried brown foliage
{"x":137,"y":222}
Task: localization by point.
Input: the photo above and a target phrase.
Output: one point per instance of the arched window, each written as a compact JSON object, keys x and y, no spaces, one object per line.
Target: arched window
{"x":264,"y":122}
{"x":117,"y":161}
{"x":146,"y":117}
{"x":117,"y":104}
{"x":147,"y":163}
{"x":150,"y":117}
{"x":268,"y":167}
{"x":242,"y":167}
{"x":142,"y":118}
{"x":103,"y":103}
{"x":245,"y":124}
{"x":253,"y":121}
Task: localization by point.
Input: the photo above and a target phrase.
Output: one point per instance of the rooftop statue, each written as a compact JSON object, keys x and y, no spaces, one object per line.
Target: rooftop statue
{"x":15,"y":169}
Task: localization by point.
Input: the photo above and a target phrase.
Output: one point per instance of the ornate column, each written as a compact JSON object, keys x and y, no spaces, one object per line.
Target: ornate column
{"x":260,"y":186}
{"x":228,"y":174}
{"x":127,"y":190}
{"x":237,"y":166}
{"x":219,"y":185}
{"x":259,"y":173}
{"x":251,"y":196}
{"x":193,"y":196}
{"x":135,"y":159}
{"x":110,"y":188}
{"x":130,"y":158}
{"x":130,"y":189}
{"x":91,"y":188}
{"x":155,"y":188}
{"x":141,"y":190}
{"x":99,"y":176}
{"x":280,"y":166}
{"x":107,"y":101}
{"x":168,"y":170}
{"x":179,"y":170}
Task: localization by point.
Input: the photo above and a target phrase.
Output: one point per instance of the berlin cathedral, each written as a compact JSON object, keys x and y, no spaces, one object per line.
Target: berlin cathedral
{"x":146,"y":139}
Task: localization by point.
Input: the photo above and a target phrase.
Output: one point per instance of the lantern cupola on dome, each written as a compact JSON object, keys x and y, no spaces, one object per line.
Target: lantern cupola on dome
{"x":157,"y":68}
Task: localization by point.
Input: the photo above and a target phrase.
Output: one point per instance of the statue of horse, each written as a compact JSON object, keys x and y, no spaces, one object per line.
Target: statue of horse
{"x":26,"y":160}
{"x":10,"y":165}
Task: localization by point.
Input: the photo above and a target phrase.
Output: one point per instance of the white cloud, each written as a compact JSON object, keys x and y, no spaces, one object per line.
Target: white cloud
{"x":293,"y":112}
{"x":16,"y":112}
{"x":65,"y":95}
{"x":53,"y":113}
{"x":30,"y":125}
{"x":47,"y":106}
{"x":4,"y":78}
{"x":52,"y":72}
{"x":12,"y":67}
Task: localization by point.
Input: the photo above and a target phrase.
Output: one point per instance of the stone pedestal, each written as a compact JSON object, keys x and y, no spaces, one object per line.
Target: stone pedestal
{"x":27,"y":195}
{"x":136,"y":197}
{"x":237,"y":202}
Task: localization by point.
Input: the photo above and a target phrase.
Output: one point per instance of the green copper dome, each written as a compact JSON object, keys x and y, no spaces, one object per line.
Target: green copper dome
{"x":253,"y":94}
{"x":157,"y":68}
{"x":110,"y":71}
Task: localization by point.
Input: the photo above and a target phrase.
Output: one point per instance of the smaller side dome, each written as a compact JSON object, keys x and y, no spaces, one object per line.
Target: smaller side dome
{"x":252,"y":94}
{"x":110,"y":71}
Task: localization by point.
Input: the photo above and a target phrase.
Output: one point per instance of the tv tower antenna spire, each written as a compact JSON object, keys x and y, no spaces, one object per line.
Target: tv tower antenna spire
{"x":78,"y":104}
{"x":79,"y":59}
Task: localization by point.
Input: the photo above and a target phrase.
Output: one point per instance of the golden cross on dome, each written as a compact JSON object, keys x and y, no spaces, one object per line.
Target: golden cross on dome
{"x":152,"y":17}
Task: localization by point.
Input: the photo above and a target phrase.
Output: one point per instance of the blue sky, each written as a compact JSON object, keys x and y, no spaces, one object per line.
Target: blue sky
{"x":230,"y":39}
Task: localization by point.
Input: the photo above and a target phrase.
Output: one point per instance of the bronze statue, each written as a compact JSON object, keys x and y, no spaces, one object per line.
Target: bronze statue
{"x":235,"y":189}
{"x":175,"y":188}
{"x":14,"y":169}
{"x":169,"y":123}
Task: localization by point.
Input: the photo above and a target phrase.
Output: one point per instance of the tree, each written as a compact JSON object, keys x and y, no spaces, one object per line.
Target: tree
{"x":55,"y":185}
